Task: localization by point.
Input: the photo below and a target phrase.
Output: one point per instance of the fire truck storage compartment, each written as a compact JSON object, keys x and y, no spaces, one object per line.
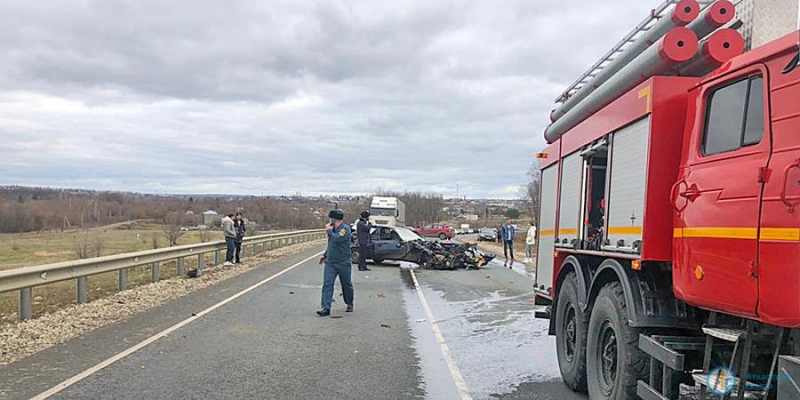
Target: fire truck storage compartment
{"x":570,"y":200}
{"x":547,"y":226}
{"x":626,"y":194}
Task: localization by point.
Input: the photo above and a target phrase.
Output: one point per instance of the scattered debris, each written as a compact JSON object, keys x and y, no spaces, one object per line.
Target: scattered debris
{"x":382,"y":295}
{"x":336,"y":316}
{"x":385,"y":326}
{"x":291,"y":292}
{"x":422,"y":320}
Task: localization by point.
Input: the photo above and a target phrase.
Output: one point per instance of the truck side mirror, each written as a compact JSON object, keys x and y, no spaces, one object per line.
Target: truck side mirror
{"x":793,"y":64}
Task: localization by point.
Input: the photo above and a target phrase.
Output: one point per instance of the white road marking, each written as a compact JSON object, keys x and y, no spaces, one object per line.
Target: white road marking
{"x":448,"y":357}
{"x":83,"y":375}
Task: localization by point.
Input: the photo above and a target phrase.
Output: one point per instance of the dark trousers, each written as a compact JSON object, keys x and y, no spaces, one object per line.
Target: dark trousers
{"x":238,"y":253}
{"x":344,"y":271}
{"x":508,"y":247}
{"x":362,"y":256}
{"x":230,"y":247}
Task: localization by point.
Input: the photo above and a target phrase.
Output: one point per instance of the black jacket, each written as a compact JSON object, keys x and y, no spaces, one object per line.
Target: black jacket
{"x":240,"y":229}
{"x":362,"y":232}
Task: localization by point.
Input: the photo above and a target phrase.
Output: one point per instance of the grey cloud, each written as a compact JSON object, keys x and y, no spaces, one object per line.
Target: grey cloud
{"x":282,"y":96}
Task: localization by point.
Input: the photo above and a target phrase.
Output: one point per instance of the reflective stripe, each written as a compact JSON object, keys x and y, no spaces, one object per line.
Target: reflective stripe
{"x":767,"y":234}
{"x":625,"y":230}
{"x":567,"y":231}
{"x":549,"y":232}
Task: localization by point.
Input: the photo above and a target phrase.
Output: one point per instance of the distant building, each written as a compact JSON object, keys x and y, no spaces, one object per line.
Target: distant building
{"x":211,"y":218}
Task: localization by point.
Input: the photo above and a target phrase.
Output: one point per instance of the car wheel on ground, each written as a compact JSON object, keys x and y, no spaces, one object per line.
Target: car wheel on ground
{"x":377,"y":260}
{"x":354,"y":255}
{"x":442,"y":236}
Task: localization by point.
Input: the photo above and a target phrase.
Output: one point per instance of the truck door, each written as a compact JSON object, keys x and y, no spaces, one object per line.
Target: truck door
{"x":719,"y":194}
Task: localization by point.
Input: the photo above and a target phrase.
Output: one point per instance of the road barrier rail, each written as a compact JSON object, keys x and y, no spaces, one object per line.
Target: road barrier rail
{"x":26,"y":278}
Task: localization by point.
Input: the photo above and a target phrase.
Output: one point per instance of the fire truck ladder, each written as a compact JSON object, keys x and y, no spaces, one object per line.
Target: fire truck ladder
{"x":655,"y":15}
{"x":668,"y":361}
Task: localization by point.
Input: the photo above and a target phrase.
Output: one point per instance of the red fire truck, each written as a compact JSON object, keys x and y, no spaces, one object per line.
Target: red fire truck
{"x":669,"y":230}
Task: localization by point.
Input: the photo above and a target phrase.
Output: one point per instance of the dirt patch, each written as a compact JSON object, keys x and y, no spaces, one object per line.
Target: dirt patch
{"x":22,"y":339}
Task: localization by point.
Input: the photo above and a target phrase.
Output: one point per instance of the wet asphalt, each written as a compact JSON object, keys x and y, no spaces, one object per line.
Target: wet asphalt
{"x":269,"y":344}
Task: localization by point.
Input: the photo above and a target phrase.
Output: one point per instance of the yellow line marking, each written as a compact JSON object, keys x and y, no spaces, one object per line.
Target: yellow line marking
{"x":549,"y":232}
{"x":625,"y":230}
{"x":648,"y":93}
{"x":767,"y":234}
{"x":781,"y":234}
{"x":568,"y":231}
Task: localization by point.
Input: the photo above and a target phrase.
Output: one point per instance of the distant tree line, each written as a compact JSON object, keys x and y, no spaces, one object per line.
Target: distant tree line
{"x":26,"y":209}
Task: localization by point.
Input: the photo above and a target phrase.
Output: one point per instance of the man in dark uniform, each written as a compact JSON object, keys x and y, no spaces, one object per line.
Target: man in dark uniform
{"x":337,"y":263}
{"x":362,"y":234}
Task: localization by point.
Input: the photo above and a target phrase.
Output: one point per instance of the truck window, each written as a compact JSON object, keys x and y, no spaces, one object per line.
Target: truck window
{"x":735,"y":116}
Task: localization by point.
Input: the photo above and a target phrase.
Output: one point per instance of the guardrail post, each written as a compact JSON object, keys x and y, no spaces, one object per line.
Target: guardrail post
{"x":80,"y":295}
{"x":255,"y":249}
{"x":25,"y":303}
{"x":200,"y":261}
{"x":181,"y":267}
{"x":123,"y":279}
{"x":155,"y":272}
{"x":217,"y":257}
{"x":264,"y":247}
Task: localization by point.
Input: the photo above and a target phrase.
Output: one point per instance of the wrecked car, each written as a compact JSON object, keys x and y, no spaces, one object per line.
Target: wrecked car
{"x":402,"y":244}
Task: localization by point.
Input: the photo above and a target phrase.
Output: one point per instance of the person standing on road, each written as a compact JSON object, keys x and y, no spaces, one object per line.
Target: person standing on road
{"x":530,"y":241}
{"x":508,"y":232}
{"x":230,"y":236}
{"x":337,"y":263}
{"x":362,"y":234}
{"x":239,"y":228}
{"x":500,"y":233}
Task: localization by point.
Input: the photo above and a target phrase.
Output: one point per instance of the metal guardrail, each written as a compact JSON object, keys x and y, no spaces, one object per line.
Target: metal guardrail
{"x":25,"y":279}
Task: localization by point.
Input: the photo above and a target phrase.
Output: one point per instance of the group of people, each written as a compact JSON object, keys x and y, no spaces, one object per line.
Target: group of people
{"x":233,"y":225}
{"x":507,"y":232}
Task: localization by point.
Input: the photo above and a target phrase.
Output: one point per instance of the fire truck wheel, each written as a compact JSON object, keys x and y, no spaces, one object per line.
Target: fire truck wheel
{"x":571,"y":325}
{"x":615,"y":363}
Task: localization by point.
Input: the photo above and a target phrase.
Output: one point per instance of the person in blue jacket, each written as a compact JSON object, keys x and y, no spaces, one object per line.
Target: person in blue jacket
{"x":508,"y":232}
{"x":337,"y":263}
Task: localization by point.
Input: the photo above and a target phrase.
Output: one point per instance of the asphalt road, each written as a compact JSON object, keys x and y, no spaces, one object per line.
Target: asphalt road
{"x":269,"y":344}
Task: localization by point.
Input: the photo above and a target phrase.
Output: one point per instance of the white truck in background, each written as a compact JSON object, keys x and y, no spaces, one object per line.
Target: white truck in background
{"x":387,"y":211}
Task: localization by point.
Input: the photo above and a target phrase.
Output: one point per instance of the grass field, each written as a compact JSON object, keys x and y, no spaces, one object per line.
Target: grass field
{"x":29,"y":249}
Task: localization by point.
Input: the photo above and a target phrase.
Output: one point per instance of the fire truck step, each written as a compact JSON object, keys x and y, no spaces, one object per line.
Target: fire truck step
{"x":721,"y":384}
{"x":726,"y":334}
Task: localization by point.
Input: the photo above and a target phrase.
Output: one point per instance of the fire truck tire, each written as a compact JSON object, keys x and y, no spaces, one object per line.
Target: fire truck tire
{"x":571,"y":331}
{"x":614,"y":360}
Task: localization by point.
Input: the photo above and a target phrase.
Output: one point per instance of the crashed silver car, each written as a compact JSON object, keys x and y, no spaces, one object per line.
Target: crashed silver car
{"x":402,"y":244}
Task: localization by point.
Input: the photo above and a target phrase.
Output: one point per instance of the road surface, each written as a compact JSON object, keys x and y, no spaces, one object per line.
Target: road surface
{"x":256,"y":336}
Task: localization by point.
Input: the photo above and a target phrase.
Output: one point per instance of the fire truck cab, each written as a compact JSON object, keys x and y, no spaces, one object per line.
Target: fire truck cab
{"x":669,"y":233}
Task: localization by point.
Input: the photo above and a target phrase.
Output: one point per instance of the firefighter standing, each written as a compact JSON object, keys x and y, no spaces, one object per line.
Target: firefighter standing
{"x":362,"y":234}
{"x":337,"y":263}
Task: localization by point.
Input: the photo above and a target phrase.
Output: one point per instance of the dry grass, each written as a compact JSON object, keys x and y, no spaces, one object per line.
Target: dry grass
{"x":28,"y":249}
{"x":21,"y":339}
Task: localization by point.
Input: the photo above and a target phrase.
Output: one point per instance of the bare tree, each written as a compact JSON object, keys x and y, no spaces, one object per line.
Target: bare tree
{"x":529,"y":193}
{"x":98,"y":244}
{"x":82,"y":247}
{"x":173,"y":228}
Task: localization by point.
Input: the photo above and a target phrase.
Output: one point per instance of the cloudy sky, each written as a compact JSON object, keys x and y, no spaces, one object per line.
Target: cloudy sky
{"x":277,"y":97}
